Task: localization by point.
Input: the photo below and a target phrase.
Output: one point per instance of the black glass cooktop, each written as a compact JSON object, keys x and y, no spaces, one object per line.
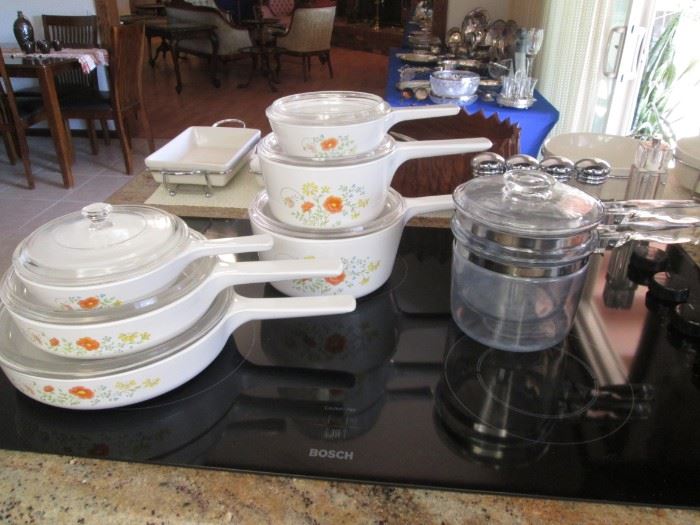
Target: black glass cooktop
{"x":395,"y":393}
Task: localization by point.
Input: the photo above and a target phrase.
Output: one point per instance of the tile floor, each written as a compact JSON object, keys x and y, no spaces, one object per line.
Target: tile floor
{"x":96,"y":178}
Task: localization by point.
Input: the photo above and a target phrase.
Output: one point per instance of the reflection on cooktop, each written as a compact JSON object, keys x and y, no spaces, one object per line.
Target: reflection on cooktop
{"x":394,"y":392}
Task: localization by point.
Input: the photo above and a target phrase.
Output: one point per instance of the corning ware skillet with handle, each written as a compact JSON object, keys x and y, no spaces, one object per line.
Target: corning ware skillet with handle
{"x":367,"y":252}
{"x":135,"y":327}
{"x":129,"y":379}
{"x":521,"y":247}
{"x":331,"y":124}
{"x":343,"y":192}
{"x":104,"y":256}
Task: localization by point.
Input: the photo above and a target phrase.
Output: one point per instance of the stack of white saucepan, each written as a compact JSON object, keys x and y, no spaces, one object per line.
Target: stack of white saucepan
{"x":327,"y":169}
{"x":115,"y":305}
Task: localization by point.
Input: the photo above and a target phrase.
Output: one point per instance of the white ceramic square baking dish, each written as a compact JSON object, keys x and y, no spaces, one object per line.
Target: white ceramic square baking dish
{"x":220,"y":151}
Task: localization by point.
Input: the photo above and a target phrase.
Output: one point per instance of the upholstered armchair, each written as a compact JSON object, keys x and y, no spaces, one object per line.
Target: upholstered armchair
{"x":309,"y":35}
{"x":279,"y":9}
{"x":231,"y":38}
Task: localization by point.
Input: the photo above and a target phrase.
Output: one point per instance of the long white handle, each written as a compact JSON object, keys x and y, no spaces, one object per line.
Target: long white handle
{"x":418,"y":205}
{"x":418,"y":112}
{"x":231,"y":274}
{"x":246,"y":309}
{"x":249,"y":243}
{"x":433,"y":148}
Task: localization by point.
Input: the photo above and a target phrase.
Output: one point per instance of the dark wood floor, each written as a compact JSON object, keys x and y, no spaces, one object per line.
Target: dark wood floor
{"x":201,"y":104}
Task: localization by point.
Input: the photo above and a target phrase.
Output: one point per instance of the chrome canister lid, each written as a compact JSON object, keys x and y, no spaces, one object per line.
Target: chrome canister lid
{"x":592,"y":171}
{"x":561,"y":168}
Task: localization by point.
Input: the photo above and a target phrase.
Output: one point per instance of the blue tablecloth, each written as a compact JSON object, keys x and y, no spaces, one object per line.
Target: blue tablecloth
{"x":535,"y":123}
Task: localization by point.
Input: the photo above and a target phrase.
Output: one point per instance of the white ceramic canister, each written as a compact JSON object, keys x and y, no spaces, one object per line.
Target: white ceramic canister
{"x":332,"y":124}
{"x":347,"y":192}
{"x":367,"y":252}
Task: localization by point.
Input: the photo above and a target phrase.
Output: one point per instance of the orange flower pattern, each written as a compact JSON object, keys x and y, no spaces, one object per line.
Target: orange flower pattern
{"x":316,"y":205}
{"x":335,"y":281}
{"x":82,"y":392}
{"x":107,"y":345}
{"x":329,"y":143}
{"x":333,"y":204}
{"x":95,"y":394}
{"x":323,"y":147}
{"x":88,"y":343}
{"x":97,"y":301}
{"x":357,"y":273}
{"x":89,"y":303}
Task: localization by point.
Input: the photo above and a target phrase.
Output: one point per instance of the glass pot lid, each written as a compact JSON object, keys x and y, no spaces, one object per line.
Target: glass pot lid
{"x":528,"y":203}
{"x":328,"y":108}
{"x":19,"y":354}
{"x":260,"y":214}
{"x":20,"y":300}
{"x":270,"y":149}
{"x":101,"y":243}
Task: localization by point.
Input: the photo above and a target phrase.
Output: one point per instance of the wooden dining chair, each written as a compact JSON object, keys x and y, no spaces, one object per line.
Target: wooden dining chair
{"x":14,"y":120}
{"x":71,"y":31}
{"x":75,"y":32}
{"x":125,"y":97}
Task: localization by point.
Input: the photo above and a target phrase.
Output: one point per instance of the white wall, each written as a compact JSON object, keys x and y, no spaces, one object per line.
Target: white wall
{"x":456,"y":9}
{"x":33,"y":9}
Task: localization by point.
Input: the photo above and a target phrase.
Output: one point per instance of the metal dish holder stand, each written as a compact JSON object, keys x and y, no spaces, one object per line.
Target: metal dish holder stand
{"x":172,"y":187}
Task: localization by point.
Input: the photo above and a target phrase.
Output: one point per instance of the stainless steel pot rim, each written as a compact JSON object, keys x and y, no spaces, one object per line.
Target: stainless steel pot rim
{"x":518,"y":263}
{"x":529,"y":272}
{"x":20,"y":302}
{"x":328,"y":108}
{"x":526,"y":250}
{"x":260,"y":214}
{"x":541,"y":244}
{"x":20,"y":355}
{"x":269,"y":149}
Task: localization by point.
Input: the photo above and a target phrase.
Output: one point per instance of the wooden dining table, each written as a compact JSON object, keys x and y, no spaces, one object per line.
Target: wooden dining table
{"x":45,"y":71}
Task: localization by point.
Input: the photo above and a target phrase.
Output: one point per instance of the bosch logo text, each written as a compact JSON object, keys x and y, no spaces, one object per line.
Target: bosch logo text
{"x":325,"y":453}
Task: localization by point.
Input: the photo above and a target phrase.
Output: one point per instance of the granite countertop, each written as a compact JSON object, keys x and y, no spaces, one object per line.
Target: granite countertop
{"x":40,"y":488}
{"x":37,"y":488}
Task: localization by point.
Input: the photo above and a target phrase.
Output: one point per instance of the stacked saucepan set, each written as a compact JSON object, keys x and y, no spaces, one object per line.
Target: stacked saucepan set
{"x":327,"y":167}
{"x":111,"y":306}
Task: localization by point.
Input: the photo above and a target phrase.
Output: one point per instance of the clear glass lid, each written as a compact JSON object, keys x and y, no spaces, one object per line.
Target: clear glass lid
{"x":270,"y":149}
{"x":20,"y":300}
{"x":530,"y":203}
{"x":328,"y":108}
{"x":260,"y":215}
{"x":101,"y":243}
{"x":21,"y":355}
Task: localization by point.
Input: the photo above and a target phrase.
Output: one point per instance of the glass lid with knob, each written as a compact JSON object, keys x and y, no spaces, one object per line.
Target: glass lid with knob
{"x":328,"y":107}
{"x":270,"y":149}
{"x":100,"y":243}
{"x":528,"y":203}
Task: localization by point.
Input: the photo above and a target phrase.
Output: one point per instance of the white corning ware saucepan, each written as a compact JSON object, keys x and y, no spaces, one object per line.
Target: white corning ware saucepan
{"x":129,"y":379}
{"x":367,"y":252}
{"x":342,"y":192}
{"x":105,"y":256}
{"x":143,"y":324}
{"x":521,"y":250}
{"x":331,"y":124}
